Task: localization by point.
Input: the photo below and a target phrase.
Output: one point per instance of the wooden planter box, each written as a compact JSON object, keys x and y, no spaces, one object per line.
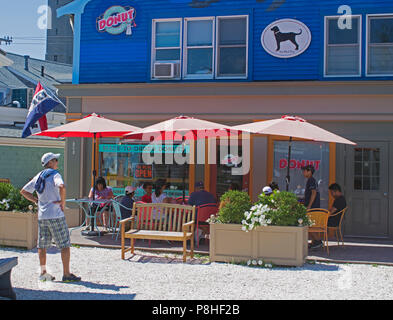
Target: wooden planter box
{"x":18,"y":229}
{"x":286,"y":246}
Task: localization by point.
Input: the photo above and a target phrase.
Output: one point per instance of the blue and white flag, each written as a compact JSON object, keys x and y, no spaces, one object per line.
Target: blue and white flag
{"x":41,"y":104}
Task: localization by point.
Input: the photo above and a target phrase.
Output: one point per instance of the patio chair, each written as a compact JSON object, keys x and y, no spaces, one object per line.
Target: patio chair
{"x":320,"y":218}
{"x":116,"y":223}
{"x":203,"y":213}
{"x":338,"y":230}
{"x":179,"y":200}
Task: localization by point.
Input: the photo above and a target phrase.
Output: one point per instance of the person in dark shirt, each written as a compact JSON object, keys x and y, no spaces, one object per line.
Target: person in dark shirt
{"x":127,"y":202}
{"x":201,"y":196}
{"x":338,"y":205}
{"x":311,"y":193}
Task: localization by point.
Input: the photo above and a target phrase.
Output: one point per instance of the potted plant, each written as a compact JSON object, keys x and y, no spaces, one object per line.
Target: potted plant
{"x":274,"y":229}
{"x":18,"y":219}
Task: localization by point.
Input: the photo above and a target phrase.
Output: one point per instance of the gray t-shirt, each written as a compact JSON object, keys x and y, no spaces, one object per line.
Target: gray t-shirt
{"x":47,"y":209}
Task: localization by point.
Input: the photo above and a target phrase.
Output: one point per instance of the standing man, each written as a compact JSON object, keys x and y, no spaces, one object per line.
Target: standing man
{"x":51,"y":220}
{"x":311,"y":193}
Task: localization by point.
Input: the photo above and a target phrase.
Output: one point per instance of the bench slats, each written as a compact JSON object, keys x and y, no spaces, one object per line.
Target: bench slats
{"x":167,"y":224}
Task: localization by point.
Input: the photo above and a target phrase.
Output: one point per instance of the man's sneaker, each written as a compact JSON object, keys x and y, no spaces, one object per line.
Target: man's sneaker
{"x":71,"y":278}
{"x":46,"y":277}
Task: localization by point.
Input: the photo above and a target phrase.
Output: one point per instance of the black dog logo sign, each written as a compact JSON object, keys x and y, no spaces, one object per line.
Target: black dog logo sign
{"x":286,"y":38}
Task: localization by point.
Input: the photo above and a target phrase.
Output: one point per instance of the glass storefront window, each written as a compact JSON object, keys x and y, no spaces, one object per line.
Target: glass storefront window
{"x":303,"y":153}
{"x":123,"y":165}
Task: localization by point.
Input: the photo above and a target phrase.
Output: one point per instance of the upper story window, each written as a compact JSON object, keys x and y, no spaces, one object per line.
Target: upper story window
{"x":232,"y":46}
{"x":202,"y":47}
{"x":342,"y":48}
{"x":380,"y":45}
{"x":167,"y":44}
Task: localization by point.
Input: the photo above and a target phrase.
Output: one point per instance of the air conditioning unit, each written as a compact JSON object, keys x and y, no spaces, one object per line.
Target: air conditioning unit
{"x":166,"y":70}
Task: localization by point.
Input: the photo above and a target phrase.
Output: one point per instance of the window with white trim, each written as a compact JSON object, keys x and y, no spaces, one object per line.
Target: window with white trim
{"x":167,"y":45}
{"x":232,"y":46}
{"x":380,"y":45}
{"x":199,"y":48}
{"x":212,"y":47}
{"x":342,"y":48}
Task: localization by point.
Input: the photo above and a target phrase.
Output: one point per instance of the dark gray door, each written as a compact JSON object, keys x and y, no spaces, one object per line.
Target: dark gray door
{"x":367,"y":189}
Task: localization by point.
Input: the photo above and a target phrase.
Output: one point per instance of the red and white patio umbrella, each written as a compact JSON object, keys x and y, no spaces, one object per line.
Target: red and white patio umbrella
{"x":292,"y":127}
{"x":92,"y":126}
{"x":182,"y":128}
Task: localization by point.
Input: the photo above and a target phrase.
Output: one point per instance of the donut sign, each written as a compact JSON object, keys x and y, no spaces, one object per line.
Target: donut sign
{"x":116,"y":20}
{"x":286,"y":38}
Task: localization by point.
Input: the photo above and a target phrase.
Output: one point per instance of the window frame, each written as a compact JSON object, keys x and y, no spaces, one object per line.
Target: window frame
{"x":326,"y":46}
{"x":186,"y":48}
{"x":154,"y":48}
{"x":368,"y":29}
{"x":217,"y":47}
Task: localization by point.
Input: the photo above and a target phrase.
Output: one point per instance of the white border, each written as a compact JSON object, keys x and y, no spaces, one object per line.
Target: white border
{"x":153,"y":48}
{"x":368,"y":16}
{"x":185,"y":49}
{"x":217,"y":47}
{"x":325,"y":49}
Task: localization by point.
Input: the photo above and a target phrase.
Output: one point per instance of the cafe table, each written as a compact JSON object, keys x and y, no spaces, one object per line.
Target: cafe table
{"x":90,"y":213}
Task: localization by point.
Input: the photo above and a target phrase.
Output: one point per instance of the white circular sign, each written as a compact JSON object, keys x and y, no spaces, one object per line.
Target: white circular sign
{"x":286,"y":38}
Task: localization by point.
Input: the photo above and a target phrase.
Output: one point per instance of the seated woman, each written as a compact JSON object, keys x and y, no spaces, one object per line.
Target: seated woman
{"x":102,"y":192}
{"x":159,"y":196}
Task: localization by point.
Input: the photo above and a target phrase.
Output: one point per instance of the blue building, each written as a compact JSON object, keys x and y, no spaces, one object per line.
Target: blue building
{"x":234,"y":62}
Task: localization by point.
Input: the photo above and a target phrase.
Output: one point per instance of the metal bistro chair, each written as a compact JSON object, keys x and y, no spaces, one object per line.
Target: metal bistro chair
{"x":320,"y":218}
{"x":117,"y":218}
{"x":204,"y":212}
{"x":338,"y":230}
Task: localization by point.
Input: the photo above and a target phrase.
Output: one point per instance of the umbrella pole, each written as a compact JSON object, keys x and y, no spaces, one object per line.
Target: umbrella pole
{"x":94,"y":176}
{"x":288,"y":177}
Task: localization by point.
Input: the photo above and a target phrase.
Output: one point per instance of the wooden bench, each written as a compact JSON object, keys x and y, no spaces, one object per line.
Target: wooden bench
{"x":160,"y":221}
{"x":6,"y":266}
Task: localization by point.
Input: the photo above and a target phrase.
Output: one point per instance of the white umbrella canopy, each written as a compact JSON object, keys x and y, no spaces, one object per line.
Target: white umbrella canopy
{"x":181,"y":127}
{"x":292,"y":127}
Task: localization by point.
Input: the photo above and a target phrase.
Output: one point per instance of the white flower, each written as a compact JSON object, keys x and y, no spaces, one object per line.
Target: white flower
{"x":244,"y":228}
{"x":300,"y":221}
{"x":254,"y":262}
{"x":260,"y":262}
{"x":30,"y":207}
{"x":269,"y":221}
{"x":248,"y":262}
{"x":268,"y":265}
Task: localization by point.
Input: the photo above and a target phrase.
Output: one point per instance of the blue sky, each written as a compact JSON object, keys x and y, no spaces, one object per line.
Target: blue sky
{"x":19,"y":19}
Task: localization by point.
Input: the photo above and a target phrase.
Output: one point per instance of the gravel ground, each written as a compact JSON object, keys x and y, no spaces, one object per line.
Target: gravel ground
{"x":163,"y":276}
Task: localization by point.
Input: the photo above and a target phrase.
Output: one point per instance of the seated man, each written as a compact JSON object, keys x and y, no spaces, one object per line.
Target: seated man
{"x":201,"y":196}
{"x":127,"y":201}
{"x":338,"y":205}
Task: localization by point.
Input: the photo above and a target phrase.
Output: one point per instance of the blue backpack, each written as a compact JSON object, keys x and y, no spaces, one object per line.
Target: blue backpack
{"x":45,"y":174}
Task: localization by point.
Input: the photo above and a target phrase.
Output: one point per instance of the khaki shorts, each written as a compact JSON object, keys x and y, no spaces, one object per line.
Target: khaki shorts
{"x":53,"y":229}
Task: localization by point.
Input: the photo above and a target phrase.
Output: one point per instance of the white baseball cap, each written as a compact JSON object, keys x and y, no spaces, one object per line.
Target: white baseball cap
{"x":130,"y":189}
{"x":267,"y":190}
{"x":48,"y":157}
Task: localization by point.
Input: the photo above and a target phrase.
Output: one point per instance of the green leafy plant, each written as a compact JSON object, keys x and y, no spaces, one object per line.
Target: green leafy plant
{"x":12,"y":200}
{"x":277,"y":209}
{"x":235,"y":204}
{"x":5,"y":189}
